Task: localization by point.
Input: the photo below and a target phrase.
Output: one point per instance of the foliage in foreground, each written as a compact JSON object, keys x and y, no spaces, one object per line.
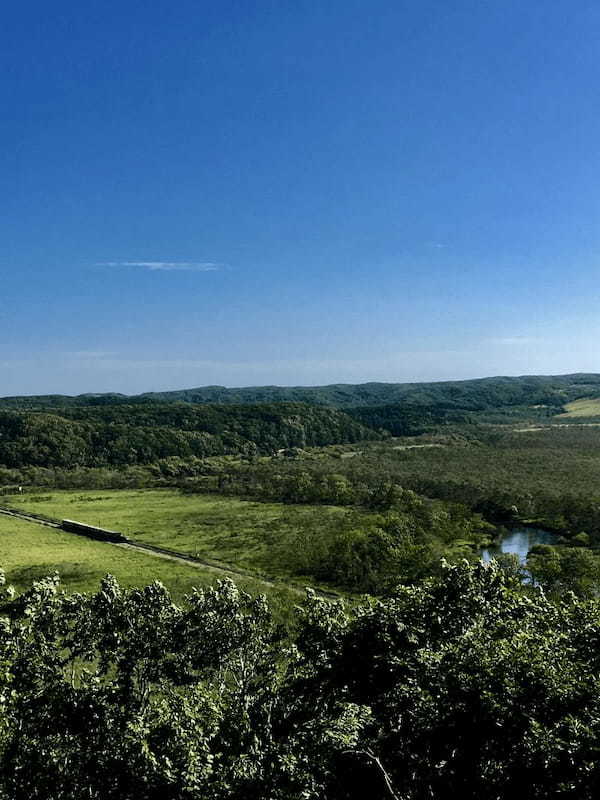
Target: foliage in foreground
{"x":463,"y":687}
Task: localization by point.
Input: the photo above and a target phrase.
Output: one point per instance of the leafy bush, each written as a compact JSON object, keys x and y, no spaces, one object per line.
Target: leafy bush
{"x":464,"y":686}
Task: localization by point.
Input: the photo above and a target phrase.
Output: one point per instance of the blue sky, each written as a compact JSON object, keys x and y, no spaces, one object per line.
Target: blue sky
{"x":297,"y":193}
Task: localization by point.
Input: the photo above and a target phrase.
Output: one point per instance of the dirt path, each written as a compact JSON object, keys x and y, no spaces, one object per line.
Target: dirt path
{"x":552,"y":425}
{"x":223,"y":570}
{"x":416,"y":446}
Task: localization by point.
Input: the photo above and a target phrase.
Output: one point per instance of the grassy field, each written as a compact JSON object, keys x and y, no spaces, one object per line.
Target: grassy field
{"x":585,"y":407}
{"x":226,"y":530}
{"x":29,"y":552}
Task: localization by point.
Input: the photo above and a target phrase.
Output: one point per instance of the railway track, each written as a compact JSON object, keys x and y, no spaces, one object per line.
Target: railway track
{"x":224,"y":570}
{"x":9,"y":512}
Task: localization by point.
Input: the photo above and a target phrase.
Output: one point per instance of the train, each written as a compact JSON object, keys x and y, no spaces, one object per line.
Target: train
{"x":92,"y":531}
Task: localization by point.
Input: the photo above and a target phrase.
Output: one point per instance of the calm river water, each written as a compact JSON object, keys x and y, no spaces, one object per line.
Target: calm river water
{"x":519,"y":541}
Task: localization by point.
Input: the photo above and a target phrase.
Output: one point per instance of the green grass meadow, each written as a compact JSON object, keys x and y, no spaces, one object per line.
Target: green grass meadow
{"x":29,"y":552}
{"x":585,"y":407}
{"x":226,"y":530}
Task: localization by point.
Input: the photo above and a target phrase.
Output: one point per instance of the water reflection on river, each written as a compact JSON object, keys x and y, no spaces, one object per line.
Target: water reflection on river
{"x":519,"y":541}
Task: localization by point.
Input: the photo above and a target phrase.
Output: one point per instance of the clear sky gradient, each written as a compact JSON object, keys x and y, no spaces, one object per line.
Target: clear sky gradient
{"x":297,"y":192}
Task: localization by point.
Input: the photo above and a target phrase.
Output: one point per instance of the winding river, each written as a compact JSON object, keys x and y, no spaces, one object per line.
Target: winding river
{"x":519,"y":541}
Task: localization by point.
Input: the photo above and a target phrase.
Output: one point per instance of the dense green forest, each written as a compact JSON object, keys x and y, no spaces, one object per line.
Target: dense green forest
{"x":110,"y":430}
{"x":406,"y":419}
{"x":468,"y":685}
{"x":142,"y":434}
{"x":478,"y":394}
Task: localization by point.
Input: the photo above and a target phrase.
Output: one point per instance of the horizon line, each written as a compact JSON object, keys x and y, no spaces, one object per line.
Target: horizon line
{"x":117,"y":393}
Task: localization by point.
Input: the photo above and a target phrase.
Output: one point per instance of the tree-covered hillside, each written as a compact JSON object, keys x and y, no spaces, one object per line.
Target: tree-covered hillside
{"x":475,"y":394}
{"x":478,"y":394}
{"x":141,"y":434}
{"x":407,"y":419}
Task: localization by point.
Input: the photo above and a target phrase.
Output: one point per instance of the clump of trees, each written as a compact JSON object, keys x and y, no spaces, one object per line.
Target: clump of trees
{"x":565,"y":569}
{"x":372,"y":556}
{"x":464,"y":686}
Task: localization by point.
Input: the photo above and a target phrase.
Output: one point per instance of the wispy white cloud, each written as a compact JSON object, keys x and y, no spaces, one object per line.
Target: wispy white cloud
{"x":511,"y":341}
{"x":88,"y":354}
{"x":167,"y":266}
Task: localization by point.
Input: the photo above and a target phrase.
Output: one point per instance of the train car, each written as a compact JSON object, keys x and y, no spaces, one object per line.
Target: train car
{"x":92,"y":531}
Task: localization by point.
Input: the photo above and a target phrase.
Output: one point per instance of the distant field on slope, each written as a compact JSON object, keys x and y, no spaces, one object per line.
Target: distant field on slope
{"x":246,"y":534}
{"x":585,"y":407}
{"x":29,"y":552}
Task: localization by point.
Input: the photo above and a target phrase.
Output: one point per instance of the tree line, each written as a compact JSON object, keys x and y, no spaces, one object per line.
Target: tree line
{"x":478,"y":394}
{"x":129,"y":435}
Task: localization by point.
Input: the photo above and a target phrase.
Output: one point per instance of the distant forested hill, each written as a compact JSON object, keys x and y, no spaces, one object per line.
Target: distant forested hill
{"x":471,"y":395}
{"x":141,"y":434}
{"x":475,"y":394}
